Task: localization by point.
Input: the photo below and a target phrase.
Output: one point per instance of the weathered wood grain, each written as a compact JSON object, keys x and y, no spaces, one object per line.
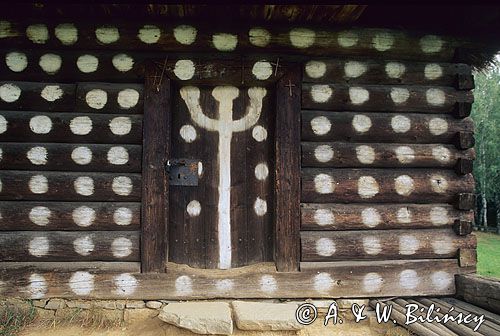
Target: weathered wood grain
{"x":467,"y":257}
{"x":54,"y":186}
{"x":37,"y":96}
{"x":73,"y":266}
{"x":70,"y":157}
{"x":480,"y":291}
{"x":379,"y":216}
{"x":71,"y":128}
{"x":48,"y":216}
{"x":346,"y":155}
{"x":382,"y":244}
{"x":341,"y":185}
{"x":382,"y":127}
{"x":109,"y":98}
{"x":321,"y":280}
{"x":69,"y":246}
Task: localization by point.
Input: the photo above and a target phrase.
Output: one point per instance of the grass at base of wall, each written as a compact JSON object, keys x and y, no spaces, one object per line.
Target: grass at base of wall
{"x":488,"y":254}
{"x":14,"y":316}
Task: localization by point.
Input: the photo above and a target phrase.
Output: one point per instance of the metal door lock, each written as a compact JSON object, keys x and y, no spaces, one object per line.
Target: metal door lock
{"x":183,"y":172}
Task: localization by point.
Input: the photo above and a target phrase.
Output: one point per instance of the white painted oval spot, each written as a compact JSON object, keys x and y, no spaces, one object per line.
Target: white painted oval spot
{"x":439,"y":216}
{"x":81,"y":283}
{"x":40,"y":215}
{"x":40,"y":124}
{"x":315,"y":69}
{"x":128,"y":98}
{"x":323,"y":282}
{"x":321,"y":93}
{"x":405,"y":154}
{"x":259,"y":37}
{"x":125,"y":284}
{"x":193,"y":208}
{"x":403,"y":215}
{"x":400,"y":124}
{"x":87,"y":63}
{"x":185,"y":34}
{"x":96,"y":98}
{"x":262,"y":70}
{"x":358,"y":95}
{"x":361,"y":123}
{"x":37,"y":287}
{"x":383,"y":41}
{"x":224,"y":41}
{"x":260,"y":207}
{"x":52,"y":93}
{"x":183,"y":285}
{"x":371,"y":217}
{"x":354,"y":69}
{"x":324,"y":184}
{"x":367,"y":187}
{"x":404,"y":185}
{"x":107,"y":34}
{"x":325,"y":247}
{"x":259,"y":133}
{"x":408,"y":244}
{"x":67,"y":33}
{"x":16,"y":61}
{"x":50,"y":63}
{"x":433,"y":71}
{"x":81,"y":155}
{"x":122,"y":216}
{"x":324,"y":217}
{"x":122,"y":185}
{"x":123,"y":62}
{"x":431,"y":44}
{"x":438,"y":126}
{"x":435,"y":97}
{"x":408,"y":279}
{"x":83,"y":245}
{"x":399,"y":95}
{"x":121,"y":247}
{"x":323,"y":153}
{"x":80,"y":125}
{"x":442,"y":280}
{"x":321,"y":125}
{"x":372,"y":245}
{"x":443,"y":245}
{"x":118,"y":155}
{"x":395,"y":69}
{"x":83,"y":216}
{"x":120,"y":125}
{"x":39,"y":246}
{"x":261,"y":171}
{"x":9,"y":93}
{"x":84,"y":185}
{"x":188,"y":133}
{"x":439,"y":184}
{"x":184,"y":69}
{"x":37,"y":155}
{"x":149,"y":34}
{"x":365,"y":154}
{"x":37,"y":33}
{"x":302,"y":37}
{"x":268,"y":284}
{"x":372,"y":282}
{"x":38,"y":184}
{"x":441,"y":154}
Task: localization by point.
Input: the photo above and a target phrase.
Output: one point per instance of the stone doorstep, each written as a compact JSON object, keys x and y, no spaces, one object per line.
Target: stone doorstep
{"x":265,"y":316}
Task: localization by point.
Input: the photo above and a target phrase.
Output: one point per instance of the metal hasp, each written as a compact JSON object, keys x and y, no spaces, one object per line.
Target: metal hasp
{"x":183,"y":172}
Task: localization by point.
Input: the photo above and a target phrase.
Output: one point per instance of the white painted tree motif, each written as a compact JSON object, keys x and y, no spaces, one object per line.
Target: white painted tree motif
{"x":225,"y":126}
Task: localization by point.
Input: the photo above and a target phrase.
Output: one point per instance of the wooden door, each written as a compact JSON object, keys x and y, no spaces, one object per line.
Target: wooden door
{"x":226,"y":220}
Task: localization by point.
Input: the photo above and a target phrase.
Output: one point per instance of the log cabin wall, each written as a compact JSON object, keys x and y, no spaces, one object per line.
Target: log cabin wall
{"x":385,"y":191}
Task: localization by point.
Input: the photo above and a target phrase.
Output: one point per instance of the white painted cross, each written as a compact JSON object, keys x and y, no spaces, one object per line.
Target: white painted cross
{"x":225,"y":126}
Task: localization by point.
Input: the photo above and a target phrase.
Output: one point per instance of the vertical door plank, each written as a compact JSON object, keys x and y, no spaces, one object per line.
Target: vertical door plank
{"x":287,"y":197}
{"x":155,"y":152}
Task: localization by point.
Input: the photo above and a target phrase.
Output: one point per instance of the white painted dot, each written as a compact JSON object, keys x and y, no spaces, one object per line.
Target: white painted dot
{"x":399,"y":95}
{"x":9,"y":93}
{"x":404,"y":185}
{"x":1,"y":157}
{"x":188,"y":133}
{"x":107,"y":34}
{"x":372,"y":282}
{"x":40,"y":215}
{"x":365,"y":154}
{"x":438,"y":126}
{"x":431,"y":44}
{"x":87,"y":63}
{"x":120,"y":125}
{"x":435,"y":97}
{"x":442,"y":245}
{"x":260,"y":207}
{"x":358,"y":95}
{"x":81,"y":155}
{"x":118,"y":155}
{"x":83,"y":245}
{"x":184,"y":69}
{"x":149,"y":34}
{"x":3,"y":124}
{"x":259,"y":133}
{"x":37,"y":287}
{"x":395,"y":69}
{"x":405,"y":154}
{"x":259,"y":37}
{"x":408,"y":244}
{"x":185,"y":34}
{"x":302,"y":37}
{"x":261,"y":171}
{"x":433,"y":71}
{"x":268,"y":284}
{"x":121,"y":247}
{"x":324,"y":184}
{"x":37,"y":33}
{"x":52,"y":93}
{"x":67,"y":33}
{"x":128,"y":98}
{"x":125,"y":284}
{"x":123,"y":62}
{"x":200,"y":168}
{"x":324,"y":217}
{"x":81,"y":283}
{"x":50,"y":63}
{"x":321,"y":93}
{"x":371,"y":217}
{"x":224,"y":285}
{"x":96,"y":98}
{"x":361,"y":123}
{"x":84,"y":185}
{"x":184,"y":285}
{"x":262,"y":70}
{"x":441,"y":154}
{"x":442,"y":280}
{"x":371,"y":245}
{"x":38,"y":184}
{"x":383,"y":41}
{"x":193,"y":208}
{"x":224,"y":41}
{"x":323,"y":282}
{"x":122,"y":185}
{"x":347,"y":39}
{"x":80,"y":125}
{"x":39,"y":246}
{"x":367,"y":187}
{"x":315,"y":69}
{"x":6,"y":30}
{"x":122,"y":216}
{"x":325,"y":247}
{"x":16,"y":61}
{"x":83,"y":216}
{"x":37,"y":155}
{"x":403,"y":215}
{"x":323,"y":153}
{"x":408,"y":279}
{"x":40,"y":124}
{"x":354,"y":69}
{"x":321,"y":125}
{"x":439,"y":184}
{"x":400,"y":124}
{"x":439,"y":215}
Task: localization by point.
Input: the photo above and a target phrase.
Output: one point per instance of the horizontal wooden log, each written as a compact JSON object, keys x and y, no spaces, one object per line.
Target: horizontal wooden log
{"x":37,"y":96}
{"x":382,"y":244}
{"x":70,"y":157}
{"x":62,"y":216}
{"x":362,"y":71}
{"x":322,"y":185}
{"x":382,"y":127}
{"x":480,"y":291}
{"x":56,"y":186}
{"x":489,"y":316}
{"x":382,"y":98}
{"x":379,"y":216}
{"x":109,"y":98}
{"x":69,"y":246}
{"x":339,"y":280}
{"x":71,"y":127}
{"x":161,"y":36}
{"x":346,"y":155}
{"x":73,"y":266}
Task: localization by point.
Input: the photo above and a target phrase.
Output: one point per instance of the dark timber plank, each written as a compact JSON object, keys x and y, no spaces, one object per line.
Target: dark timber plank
{"x":73,"y":266}
{"x":37,"y":96}
{"x":287,"y":183}
{"x":109,"y":98}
